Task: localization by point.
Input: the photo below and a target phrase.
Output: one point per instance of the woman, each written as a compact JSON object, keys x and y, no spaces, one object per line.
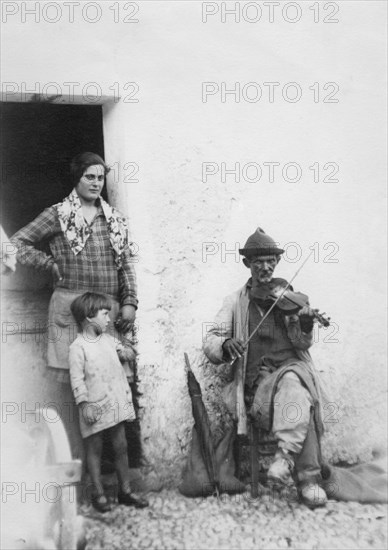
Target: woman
{"x":89,"y":251}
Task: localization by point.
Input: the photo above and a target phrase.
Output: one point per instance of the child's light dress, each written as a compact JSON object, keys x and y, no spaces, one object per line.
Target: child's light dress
{"x":98,"y":377}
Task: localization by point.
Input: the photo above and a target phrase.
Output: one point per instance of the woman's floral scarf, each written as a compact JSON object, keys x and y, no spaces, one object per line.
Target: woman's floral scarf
{"x":77,"y":231}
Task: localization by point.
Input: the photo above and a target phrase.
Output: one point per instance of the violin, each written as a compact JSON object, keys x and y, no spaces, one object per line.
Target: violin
{"x":290,"y":302}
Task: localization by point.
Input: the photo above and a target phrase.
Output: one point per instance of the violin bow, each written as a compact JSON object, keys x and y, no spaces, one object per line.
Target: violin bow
{"x":277,"y":300}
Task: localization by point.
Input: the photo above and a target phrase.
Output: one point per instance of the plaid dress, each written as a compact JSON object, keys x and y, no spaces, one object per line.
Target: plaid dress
{"x":93,"y":269}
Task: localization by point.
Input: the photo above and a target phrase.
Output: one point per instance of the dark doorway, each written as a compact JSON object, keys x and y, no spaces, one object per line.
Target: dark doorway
{"x":37,"y":143}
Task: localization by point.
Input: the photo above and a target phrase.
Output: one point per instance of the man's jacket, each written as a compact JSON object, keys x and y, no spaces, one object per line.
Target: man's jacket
{"x":232,"y":321}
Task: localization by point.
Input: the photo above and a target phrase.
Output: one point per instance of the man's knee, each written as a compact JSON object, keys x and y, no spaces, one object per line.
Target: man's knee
{"x":290,"y":378}
{"x":291,"y":389}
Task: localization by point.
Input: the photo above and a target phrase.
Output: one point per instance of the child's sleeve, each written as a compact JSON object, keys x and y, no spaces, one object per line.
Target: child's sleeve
{"x":77,"y":373}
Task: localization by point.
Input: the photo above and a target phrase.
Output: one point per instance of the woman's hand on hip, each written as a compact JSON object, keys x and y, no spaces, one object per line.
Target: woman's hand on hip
{"x":55,"y":272}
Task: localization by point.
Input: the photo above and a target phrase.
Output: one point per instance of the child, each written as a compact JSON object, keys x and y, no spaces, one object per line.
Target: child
{"x":102,"y":393}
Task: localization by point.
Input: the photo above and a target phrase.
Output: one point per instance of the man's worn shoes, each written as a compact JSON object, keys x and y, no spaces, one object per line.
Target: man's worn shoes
{"x":131,"y":499}
{"x":280,"y":471}
{"x":312,"y":495}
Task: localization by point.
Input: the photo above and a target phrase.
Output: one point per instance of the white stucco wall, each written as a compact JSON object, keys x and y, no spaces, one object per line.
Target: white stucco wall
{"x":170,"y":132}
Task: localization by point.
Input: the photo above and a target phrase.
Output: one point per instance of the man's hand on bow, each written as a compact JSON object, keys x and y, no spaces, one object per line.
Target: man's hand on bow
{"x":233,"y":348}
{"x":126,"y":318}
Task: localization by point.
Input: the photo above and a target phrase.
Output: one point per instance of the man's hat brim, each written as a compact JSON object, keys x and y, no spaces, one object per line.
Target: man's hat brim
{"x":266,"y":251}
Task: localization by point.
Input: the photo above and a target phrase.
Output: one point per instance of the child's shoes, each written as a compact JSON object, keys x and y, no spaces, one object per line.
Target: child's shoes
{"x":101,"y":504}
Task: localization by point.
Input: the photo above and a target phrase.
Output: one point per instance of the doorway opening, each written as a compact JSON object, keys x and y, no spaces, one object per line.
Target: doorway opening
{"x":38,"y":141}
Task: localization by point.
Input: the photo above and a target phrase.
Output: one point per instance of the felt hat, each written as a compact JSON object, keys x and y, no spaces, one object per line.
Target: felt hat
{"x":260,"y":244}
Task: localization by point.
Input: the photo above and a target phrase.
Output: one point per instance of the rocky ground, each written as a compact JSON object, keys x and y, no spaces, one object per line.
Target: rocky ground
{"x":268,"y":522}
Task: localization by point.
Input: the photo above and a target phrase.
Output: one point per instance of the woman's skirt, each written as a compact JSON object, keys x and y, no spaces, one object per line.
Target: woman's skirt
{"x":63,"y":329}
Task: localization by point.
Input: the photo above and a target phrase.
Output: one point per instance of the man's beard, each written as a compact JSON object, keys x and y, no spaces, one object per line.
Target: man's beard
{"x":264,"y":278}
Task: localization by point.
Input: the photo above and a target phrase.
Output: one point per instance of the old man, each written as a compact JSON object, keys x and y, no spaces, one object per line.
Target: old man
{"x":275,"y":384}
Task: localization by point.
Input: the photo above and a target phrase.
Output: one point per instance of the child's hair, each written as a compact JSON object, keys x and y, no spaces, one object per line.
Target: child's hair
{"x":88,"y":305}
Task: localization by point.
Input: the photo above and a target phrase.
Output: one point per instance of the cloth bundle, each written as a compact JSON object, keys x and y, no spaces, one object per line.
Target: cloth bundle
{"x":196,"y":482}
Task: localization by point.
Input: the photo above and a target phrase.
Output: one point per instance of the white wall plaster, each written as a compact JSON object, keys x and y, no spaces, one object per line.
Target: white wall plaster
{"x":170,"y":132}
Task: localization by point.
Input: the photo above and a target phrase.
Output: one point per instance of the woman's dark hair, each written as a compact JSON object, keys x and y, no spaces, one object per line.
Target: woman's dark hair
{"x":88,"y":305}
{"x":81,"y":162}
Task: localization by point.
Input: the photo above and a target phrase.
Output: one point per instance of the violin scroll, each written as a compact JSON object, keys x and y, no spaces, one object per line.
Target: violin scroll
{"x":323,"y":321}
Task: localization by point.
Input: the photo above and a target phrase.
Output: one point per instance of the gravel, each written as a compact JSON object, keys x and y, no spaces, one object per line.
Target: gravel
{"x":271,"y":521}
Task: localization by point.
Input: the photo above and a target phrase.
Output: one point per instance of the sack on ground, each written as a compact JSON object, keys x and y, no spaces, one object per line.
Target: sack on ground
{"x":196,"y":482}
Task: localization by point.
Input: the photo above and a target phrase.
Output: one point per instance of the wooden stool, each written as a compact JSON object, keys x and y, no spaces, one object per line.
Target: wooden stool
{"x":258,"y":441}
